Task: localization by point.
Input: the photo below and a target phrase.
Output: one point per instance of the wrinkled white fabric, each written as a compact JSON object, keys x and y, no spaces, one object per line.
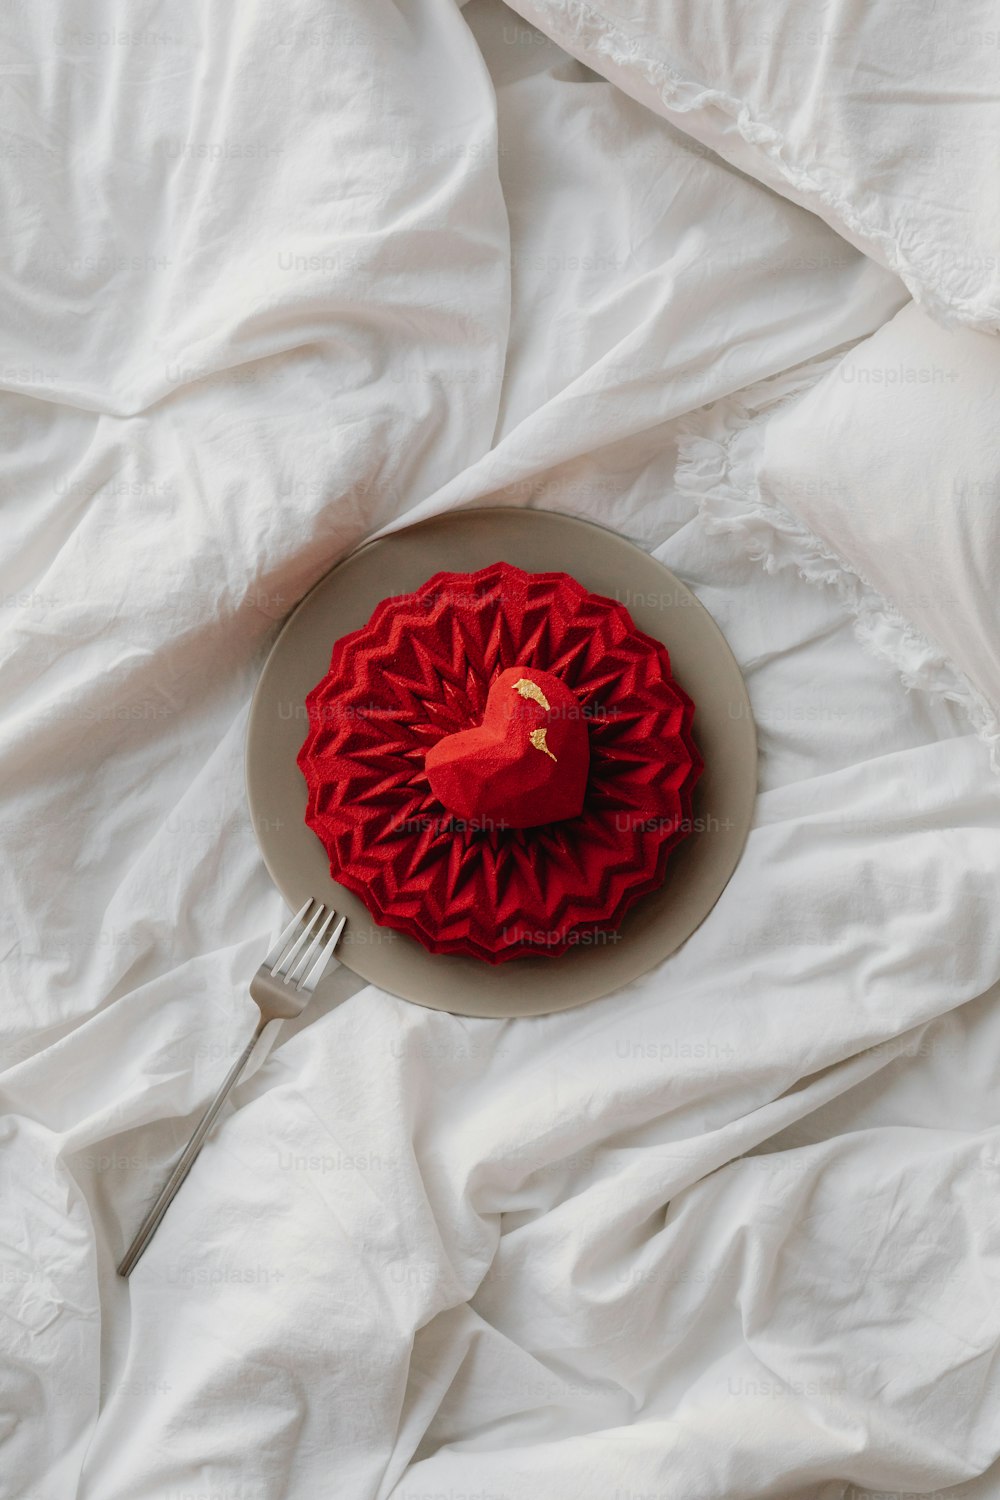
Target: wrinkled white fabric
{"x":427,"y":1255}
{"x":881,"y":479}
{"x":877,"y":115}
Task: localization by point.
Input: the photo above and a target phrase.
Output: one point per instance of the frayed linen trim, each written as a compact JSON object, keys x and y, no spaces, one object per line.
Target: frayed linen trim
{"x":580,"y":27}
{"x":717,"y":467}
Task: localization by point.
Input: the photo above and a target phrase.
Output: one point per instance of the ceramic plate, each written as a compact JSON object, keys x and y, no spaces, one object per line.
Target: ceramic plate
{"x":538,"y":541}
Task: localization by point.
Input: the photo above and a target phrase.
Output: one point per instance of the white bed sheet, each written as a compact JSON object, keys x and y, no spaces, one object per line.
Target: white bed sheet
{"x":426,"y":1255}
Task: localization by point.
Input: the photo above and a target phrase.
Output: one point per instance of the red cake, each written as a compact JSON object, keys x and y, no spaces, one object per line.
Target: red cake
{"x":500,"y":763}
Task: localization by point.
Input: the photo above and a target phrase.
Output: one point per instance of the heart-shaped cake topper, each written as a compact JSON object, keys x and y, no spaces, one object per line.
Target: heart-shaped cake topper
{"x":525,"y":764}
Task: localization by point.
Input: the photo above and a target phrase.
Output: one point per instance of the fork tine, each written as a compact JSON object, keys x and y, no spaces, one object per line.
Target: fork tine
{"x":310,"y":953}
{"x":313,"y":978}
{"x":278,"y":947}
{"x":281,"y":968}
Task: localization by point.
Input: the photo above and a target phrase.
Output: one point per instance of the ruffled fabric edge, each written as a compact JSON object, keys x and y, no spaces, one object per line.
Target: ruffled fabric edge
{"x":598,"y":36}
{"x":717,"y":467}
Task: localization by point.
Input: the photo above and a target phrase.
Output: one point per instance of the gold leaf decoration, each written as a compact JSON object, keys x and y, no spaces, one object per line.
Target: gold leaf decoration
{"x":537,"y":738}
{"x":529,"y":689}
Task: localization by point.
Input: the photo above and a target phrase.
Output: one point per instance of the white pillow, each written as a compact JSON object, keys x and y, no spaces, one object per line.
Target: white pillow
{"x":883,"y":118}
{"x":883,"y":479}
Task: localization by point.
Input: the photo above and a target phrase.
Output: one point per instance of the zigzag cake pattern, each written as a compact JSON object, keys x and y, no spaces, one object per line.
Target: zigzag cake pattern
{"x":421,"y":669}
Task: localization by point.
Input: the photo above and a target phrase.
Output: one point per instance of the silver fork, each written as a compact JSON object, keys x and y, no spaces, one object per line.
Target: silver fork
{"x":280,"y":991}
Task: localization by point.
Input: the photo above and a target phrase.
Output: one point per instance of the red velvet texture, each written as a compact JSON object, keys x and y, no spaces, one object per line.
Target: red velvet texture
{"x":525,"y":764}
{"x":421,"y":670}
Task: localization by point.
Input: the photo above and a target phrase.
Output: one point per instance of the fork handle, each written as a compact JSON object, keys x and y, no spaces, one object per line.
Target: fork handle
{"x":151,"y":1222}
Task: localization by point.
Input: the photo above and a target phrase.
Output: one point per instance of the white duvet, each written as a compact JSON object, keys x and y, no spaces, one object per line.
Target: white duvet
{"x":274,"y":280}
